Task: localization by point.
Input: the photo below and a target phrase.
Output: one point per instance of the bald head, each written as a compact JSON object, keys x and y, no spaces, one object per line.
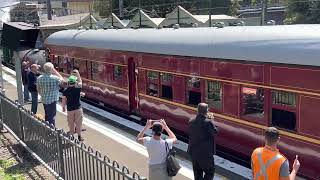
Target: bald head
{"x":203,"y":109}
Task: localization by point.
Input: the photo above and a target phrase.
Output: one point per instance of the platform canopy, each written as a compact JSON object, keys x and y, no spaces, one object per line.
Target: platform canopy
{"x":67,"y":22}
{"x":145,"y":19}
{"x":183,"y":17}
{"x":113,"y":21}
{"x":19,"y":34}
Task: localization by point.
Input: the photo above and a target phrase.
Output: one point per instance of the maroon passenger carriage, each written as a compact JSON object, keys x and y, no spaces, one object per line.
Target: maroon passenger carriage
{"x":251,"y":77}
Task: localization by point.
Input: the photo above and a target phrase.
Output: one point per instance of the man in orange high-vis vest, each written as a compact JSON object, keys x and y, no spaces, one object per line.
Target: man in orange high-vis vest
{"x":268,"y":163}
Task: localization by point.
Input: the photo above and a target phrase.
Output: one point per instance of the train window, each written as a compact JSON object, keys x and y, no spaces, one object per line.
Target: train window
{"x":117,"y":72}
{"x":214,"y":94}
{"x":284,"y":98}
{"x":151,"y":75}
{"x":83,"y":69}
{"x":55,"y":61}
{"x":165,"y":77}
{"x":194,"y":98}
{"x":67,"y":65}
{"x":95,"y":71}
{"x":166,"y":92}
{"x":152,"y":89}
{"x":283,"y":119}
{"x":76,"y":64}
{"x":60,"y":64}
{"x":253,"y":102}
{"x":194,"y":82}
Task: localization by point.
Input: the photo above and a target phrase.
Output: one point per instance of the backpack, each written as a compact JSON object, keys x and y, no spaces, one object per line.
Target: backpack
{"x":173,"y":165}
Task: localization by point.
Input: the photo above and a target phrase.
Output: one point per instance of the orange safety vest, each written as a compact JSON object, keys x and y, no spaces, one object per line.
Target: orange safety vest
{"x":266,"y":164}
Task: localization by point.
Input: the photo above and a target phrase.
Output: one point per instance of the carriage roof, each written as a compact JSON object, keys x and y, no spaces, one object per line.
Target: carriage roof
{"x":287,"y":44}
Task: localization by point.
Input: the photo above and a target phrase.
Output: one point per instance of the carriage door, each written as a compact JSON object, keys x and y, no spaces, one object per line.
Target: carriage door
{"x":132,"y":77}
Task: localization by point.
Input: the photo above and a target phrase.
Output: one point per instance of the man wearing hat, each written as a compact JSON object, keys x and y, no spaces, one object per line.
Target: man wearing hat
{"x":71,"y":98}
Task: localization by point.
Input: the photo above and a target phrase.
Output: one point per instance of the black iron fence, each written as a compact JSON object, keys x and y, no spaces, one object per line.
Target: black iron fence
{"x":63,"y":155}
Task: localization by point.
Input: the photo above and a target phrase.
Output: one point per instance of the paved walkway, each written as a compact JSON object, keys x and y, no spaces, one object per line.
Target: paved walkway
{"x":116,"y":143}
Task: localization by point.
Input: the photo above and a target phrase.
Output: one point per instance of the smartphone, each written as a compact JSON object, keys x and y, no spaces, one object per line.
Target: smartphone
{"x":153,"y":121}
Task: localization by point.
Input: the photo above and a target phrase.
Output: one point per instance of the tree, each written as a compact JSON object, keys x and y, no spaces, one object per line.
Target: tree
{"x":103,"y":7}
{"x":159,"y":8}
{"x":235,"y":6}
{"x":301,"y":12}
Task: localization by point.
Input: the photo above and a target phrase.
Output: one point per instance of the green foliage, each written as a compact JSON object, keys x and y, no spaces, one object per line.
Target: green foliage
{"x":6,"y":173}
{"x":103,"y":7}
{"x":159,"y":8}
{"x":303,"y":12}
{"x":235,"y":6}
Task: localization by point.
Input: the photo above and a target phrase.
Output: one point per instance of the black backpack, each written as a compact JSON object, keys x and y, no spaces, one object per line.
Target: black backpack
{"x":173,"y":165}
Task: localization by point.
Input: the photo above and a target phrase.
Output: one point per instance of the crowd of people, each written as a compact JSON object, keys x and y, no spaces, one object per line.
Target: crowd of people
{"x":266,"y":162}
{"x":48,"y":86}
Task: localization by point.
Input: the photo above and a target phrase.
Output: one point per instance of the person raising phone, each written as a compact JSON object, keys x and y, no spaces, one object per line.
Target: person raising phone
{"x":156,"y":147}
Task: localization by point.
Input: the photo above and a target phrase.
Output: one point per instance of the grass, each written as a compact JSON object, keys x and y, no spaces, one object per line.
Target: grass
{"x":8,"y":171}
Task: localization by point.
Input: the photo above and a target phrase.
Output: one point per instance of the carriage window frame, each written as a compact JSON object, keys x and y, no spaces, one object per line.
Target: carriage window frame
{"x":166,"y":91}
{"x":214,"y":91}
{"x":60,"y":64}
{"x":193,"y":87}
{"x":153,"y":75}
{"x":281,"y":106}
{"x":76,"y":64}
{"x":253,"y":93}
{"x":67,"y":66}
{"x":95,"y":73}
{"x":117,"y":72}
{"x":55,"y":61}
{"x":84,"y":74}
{"x":284,"y":98}
{"x":153,"y":81}
{"x":193,"y":83}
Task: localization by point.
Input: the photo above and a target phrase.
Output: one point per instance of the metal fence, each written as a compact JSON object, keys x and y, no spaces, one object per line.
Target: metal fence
{"x":63,"y":155}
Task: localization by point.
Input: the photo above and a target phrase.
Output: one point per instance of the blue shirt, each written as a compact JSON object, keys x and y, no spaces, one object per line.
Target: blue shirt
{"x":48,"y":86}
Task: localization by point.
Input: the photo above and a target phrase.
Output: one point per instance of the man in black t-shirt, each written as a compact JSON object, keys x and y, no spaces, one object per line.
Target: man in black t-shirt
{"x":71,"y":97}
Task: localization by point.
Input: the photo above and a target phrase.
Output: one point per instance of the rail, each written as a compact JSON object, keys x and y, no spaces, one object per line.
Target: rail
{"x":63,"y":155}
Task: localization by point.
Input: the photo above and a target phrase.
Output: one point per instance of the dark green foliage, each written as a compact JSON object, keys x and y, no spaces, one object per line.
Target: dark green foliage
{"x":103,"y":7}
{"x":303,"y":12}
{"x":159,"y":8}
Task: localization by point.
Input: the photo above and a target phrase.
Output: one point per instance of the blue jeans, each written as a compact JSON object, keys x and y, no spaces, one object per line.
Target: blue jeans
{"x":34,"y":104}
{"x":26,"y":95}
{"x":50,"y":111}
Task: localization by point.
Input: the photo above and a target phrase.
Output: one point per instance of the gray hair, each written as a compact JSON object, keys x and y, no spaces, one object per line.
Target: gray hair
{"x":202,"y":108}
{"x":47,"y":67}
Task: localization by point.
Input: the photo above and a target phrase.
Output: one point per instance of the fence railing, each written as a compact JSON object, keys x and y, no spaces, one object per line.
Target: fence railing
{"x":63,"y":155}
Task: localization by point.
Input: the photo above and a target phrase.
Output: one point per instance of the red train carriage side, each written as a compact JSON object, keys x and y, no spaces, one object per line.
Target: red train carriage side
{"x":251,"y":77}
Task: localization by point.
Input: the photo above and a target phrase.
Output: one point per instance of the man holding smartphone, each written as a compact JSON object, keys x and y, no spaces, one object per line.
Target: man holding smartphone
{"x":71,"y":98}
{"x":202,"y":131}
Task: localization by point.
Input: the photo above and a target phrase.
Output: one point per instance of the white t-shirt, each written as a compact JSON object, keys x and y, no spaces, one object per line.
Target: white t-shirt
{"x":156,"y":149}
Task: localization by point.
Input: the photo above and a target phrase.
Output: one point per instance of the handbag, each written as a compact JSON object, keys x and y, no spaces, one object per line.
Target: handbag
{"x":173,"y":165}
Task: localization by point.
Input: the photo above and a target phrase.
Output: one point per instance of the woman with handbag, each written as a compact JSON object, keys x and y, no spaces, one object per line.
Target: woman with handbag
{"x":157,"y":148}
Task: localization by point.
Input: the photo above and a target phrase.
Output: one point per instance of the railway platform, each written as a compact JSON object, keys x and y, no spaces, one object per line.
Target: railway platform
{"x":115,"y":137}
